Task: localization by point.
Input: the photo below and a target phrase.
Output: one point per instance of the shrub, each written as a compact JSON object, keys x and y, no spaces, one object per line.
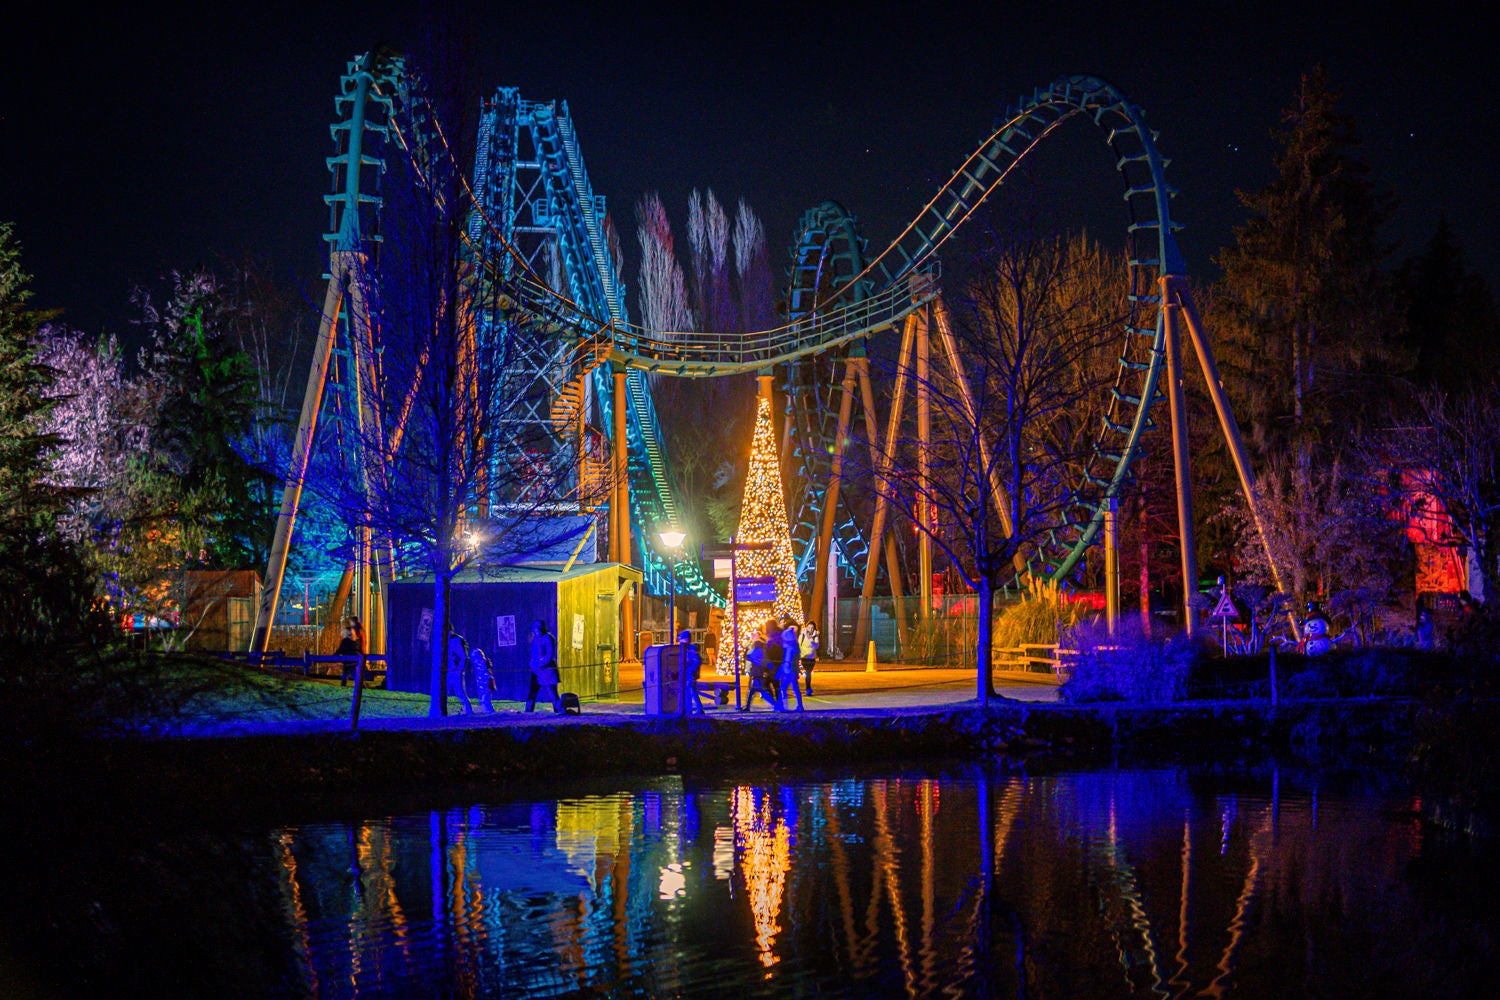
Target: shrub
{"x":1039,"y":617}
{"x":1127,"y":666}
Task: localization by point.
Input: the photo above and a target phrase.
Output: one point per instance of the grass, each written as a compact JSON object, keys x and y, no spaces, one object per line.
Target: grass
{"x":288,"y":700}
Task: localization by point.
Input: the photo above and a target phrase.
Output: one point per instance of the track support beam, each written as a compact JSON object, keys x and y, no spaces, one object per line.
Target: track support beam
{"x":341,"y":267}
{"x":1180,"y":460}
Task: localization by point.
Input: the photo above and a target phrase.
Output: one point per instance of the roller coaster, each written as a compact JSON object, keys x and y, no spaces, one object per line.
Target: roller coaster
{"x":534,"y":214}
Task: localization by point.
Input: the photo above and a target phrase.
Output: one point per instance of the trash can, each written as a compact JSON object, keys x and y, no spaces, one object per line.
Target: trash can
{"x":663,"y":680}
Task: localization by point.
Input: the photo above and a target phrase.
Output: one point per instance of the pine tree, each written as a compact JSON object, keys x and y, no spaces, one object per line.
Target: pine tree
{"x":1303,"y":304}
{"x":1452,"y":325}
{"x":45,"y":592}
{"x":27,"y":503}
{"x":208,"y":402}
{"x":762,"y":519}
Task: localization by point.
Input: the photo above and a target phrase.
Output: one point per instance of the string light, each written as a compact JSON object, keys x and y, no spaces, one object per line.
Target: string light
{"x":762,"y":519}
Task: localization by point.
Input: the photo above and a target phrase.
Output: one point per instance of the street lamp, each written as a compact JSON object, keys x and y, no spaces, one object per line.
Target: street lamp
{"x":672,"y":539}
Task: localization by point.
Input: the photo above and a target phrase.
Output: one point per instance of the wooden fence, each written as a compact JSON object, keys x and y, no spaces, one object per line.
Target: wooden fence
{"x":309,"y":665}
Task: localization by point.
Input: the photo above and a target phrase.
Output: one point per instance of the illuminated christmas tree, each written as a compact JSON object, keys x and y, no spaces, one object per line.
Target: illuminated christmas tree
{"x":762,"y":519}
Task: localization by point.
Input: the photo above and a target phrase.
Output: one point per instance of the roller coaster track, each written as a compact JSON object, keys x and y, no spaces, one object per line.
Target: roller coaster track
{"x":1152,"y":253}
{"x":537,"y":201}
{"x":882,"y":293}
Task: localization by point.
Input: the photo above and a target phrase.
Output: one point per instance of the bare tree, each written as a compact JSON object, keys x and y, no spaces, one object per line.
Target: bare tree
{"x":1330,"y":534}
{"x":1013,"y":408}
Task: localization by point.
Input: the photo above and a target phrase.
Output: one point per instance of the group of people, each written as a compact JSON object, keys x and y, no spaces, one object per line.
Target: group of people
{"x":467,"y":666}
{"x":774,"y":659}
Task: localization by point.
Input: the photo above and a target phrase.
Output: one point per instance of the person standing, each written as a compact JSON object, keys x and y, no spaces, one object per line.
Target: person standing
{"x":545,"y":676}
{"x":807,"y":645}
{"x":786,"y":673}
{"x":1426,"y":637}
{"x":348,"y":647}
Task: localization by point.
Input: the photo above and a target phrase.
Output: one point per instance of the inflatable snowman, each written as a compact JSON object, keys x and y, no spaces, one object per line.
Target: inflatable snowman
{"x":1315,"y":638}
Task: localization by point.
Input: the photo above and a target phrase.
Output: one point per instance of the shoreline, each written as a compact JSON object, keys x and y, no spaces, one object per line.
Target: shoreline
{"x":294,"y":769}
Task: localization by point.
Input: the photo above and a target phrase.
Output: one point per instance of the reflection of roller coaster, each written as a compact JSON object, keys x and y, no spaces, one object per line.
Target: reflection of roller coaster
{"x":535,"y":213}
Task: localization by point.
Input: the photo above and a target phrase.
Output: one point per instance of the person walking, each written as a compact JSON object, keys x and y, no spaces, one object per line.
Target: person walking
{"x":458,"y":659}
{"x":807,"y":645}
{"x":786,"y":673}
{"x":691,"y":663}
{"x":775,"y":653}
{"x":545,"y":676}
{"x":760,"y":676}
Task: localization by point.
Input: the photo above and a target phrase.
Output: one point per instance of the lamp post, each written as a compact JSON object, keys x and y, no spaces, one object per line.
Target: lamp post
{"x":672,"y":539}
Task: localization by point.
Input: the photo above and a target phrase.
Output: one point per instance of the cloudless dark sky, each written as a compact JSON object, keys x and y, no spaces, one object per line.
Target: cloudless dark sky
{"x":152,"y":137}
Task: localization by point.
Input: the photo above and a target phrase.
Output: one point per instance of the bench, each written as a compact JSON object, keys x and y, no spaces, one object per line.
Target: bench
{"x":721,"y":690}
{"x":309,"y":665}
{"x":374,"y":667}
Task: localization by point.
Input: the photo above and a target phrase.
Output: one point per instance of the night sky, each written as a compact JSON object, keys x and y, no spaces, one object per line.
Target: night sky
{"x":150,"y":138}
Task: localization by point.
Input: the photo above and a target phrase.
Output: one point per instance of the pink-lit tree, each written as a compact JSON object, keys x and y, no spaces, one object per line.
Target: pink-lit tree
{"x":663,"y":289}
{"x":88,"y":420}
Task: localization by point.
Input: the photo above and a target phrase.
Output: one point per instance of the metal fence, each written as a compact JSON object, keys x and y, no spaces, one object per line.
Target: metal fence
{"x":947,"y":636}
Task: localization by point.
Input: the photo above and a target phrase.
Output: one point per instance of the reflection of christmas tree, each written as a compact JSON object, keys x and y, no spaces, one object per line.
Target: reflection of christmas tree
{"x":762,"y":519}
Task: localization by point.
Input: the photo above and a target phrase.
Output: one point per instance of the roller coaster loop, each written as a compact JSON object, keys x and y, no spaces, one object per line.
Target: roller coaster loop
{"x":532,"y":203}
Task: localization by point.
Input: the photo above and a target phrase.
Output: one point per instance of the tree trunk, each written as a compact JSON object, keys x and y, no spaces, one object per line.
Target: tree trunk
{"x":1145,"y":552}
{"x":986,"y":660}
{"x":438,"y":666}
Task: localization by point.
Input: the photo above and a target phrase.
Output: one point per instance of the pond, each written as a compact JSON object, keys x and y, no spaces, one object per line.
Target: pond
{"x":948,"y":881}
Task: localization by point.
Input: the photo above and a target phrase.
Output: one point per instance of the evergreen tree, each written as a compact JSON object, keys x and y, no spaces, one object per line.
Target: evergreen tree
{"x":1452,"y":326}
{"x":44,"y":589}
{"x":209,"y":396}
{"x":762,"y":519}
{"x":27,"y":502}
{"x":1303,"y":306}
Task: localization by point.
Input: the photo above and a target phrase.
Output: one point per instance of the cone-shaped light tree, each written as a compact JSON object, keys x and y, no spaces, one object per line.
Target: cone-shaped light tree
{"x":762,"y":519}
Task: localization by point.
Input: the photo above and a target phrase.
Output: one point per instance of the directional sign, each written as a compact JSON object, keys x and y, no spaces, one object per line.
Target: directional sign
{"x":755,"y":590}
{"x":726,"y":551}
{"x":1225,"y":608}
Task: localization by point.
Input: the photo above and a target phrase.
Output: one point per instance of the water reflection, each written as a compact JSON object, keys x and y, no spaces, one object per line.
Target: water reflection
{"x":1144,"y":883}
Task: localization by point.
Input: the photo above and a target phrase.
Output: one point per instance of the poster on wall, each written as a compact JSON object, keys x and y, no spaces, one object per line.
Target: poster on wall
{"x":578,"y":631}
{"x":424,"y":627}
{"x":505,"y":630}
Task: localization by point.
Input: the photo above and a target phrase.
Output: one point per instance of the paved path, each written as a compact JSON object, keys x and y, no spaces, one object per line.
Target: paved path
{"x":845,"y":686}
{"x":848,"y":685}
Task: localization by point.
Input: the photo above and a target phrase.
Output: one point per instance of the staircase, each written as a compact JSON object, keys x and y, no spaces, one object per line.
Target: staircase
{"x":570,"y":385}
